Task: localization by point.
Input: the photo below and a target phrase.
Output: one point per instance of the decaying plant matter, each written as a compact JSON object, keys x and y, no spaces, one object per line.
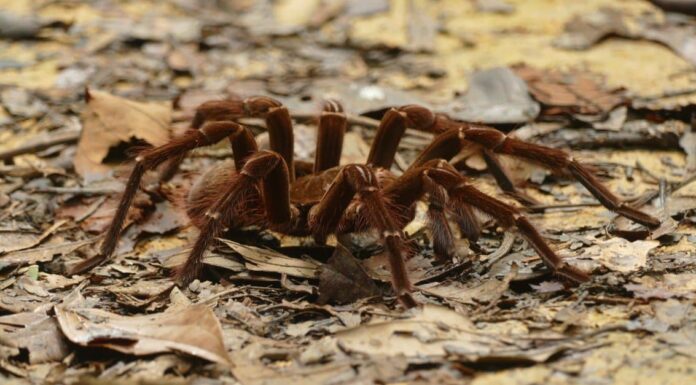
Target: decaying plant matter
{"x":270,"y":189}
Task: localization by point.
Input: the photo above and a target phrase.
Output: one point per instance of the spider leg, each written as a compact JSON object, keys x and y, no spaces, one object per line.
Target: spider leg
{"x":391,"y":130}
{"x":359,"y":181}
{"x":281,"y":136}
{"x":509,"y":216}
{"x":443,"y":239}
{"x":449,"y":143}
{"x":503,"y":180}
{"x":266,"y":168}
{"x":225,"y":110}
{"x":461,"y":192}
{"x":243,"y":145}
{"x":330,"y":132}
{"x":414,"y":183}
{"x":149,"y":159}
{"x":556,"y":159}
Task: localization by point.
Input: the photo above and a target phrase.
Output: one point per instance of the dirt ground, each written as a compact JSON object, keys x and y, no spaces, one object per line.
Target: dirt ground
{"x":85,"y":85}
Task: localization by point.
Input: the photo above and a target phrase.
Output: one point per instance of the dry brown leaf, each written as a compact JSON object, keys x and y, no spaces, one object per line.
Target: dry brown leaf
{"x":435,"y":331}
{"x":56,"y":246}
{"x":10,"y":242}
{"x":37,"y":333}
{"x":621,"y":255}
{"x":670,"y":285}
{"x":267,"y":260}
{"x":194,"y":330}
{"x":110,"y":120}
{"x":571,"y":92}
{"x":344,"y":280}
{"x":487,"y":292}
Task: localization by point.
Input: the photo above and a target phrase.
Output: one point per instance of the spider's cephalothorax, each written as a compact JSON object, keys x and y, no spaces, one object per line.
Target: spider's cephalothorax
{"x":262,"y":188}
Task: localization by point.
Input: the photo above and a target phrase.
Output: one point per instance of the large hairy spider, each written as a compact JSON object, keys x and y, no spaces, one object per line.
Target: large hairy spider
{"x":264,"y":189}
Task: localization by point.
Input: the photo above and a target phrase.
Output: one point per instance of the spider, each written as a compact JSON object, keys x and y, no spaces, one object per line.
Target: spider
{"x":266,"y":188}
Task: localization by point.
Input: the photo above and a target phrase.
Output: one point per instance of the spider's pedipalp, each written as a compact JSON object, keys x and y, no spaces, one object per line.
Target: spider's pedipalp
{"x":359,"y":181}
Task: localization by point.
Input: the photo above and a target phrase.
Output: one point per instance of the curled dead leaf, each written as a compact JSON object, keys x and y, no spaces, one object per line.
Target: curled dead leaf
{"x":194,"y":330}
{"x":109,"y":120}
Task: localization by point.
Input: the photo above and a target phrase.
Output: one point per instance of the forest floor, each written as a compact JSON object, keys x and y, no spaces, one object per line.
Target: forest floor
{"x":83,"y":84}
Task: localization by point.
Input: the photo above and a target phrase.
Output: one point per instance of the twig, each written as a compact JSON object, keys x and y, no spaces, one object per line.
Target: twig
{"x":76,"y":190}
{"x":542,"y":208}
{"x":41,"y":142}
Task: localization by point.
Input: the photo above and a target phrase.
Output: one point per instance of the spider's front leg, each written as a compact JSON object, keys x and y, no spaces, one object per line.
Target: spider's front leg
{"x":418,"y":181}
{"x":207,"y":134}
{"x":359,"y":181}
{"x":266,"y":171}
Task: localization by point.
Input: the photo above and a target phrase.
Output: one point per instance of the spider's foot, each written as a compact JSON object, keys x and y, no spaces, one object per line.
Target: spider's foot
{"x":571,"y":274}
{"x":185,"y":274}
{"x":407,"y":300}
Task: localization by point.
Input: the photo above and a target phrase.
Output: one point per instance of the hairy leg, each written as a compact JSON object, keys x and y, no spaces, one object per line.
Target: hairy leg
{"x":415,"y":183}
{"x":461,"y":192}
{"x":266,"y":170}
{"x":359,"y":181}
{"x":149,"y":159}
{"x":391,"y":130}
{"x":330,"y":132}
{"x":449,"y":143}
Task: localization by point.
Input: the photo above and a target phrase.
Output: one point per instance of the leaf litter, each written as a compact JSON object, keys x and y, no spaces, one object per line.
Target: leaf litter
{"x":84,"y":87}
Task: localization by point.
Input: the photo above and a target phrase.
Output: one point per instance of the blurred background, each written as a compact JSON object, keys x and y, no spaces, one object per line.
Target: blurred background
{"x":424,"y":49}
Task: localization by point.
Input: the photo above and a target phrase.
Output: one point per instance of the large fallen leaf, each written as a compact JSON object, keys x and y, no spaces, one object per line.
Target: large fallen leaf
{"x":56,"y":246}
{"x":109,"y":121}
{"x":495,"y":95}
{"x":482,"y":293}
{"x":17,"y":241}
{"x":193,"y":330}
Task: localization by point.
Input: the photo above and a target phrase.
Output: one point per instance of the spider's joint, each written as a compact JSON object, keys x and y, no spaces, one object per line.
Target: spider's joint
{"x":501,"y":141}
{"x":462,"y":133}
{"x":388,"y":233}
{"x":214,"y":215}
{"x":364,"y":174}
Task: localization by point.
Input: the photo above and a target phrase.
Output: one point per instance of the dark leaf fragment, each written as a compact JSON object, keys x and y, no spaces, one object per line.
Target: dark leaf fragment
{"x":344,"y":280}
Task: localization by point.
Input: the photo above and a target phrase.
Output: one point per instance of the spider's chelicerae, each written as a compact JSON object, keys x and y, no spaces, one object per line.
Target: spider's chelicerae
{"x":264,"y":188}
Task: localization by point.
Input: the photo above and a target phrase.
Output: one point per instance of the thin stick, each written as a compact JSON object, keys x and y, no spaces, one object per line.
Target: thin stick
{"x":41,"y":142}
